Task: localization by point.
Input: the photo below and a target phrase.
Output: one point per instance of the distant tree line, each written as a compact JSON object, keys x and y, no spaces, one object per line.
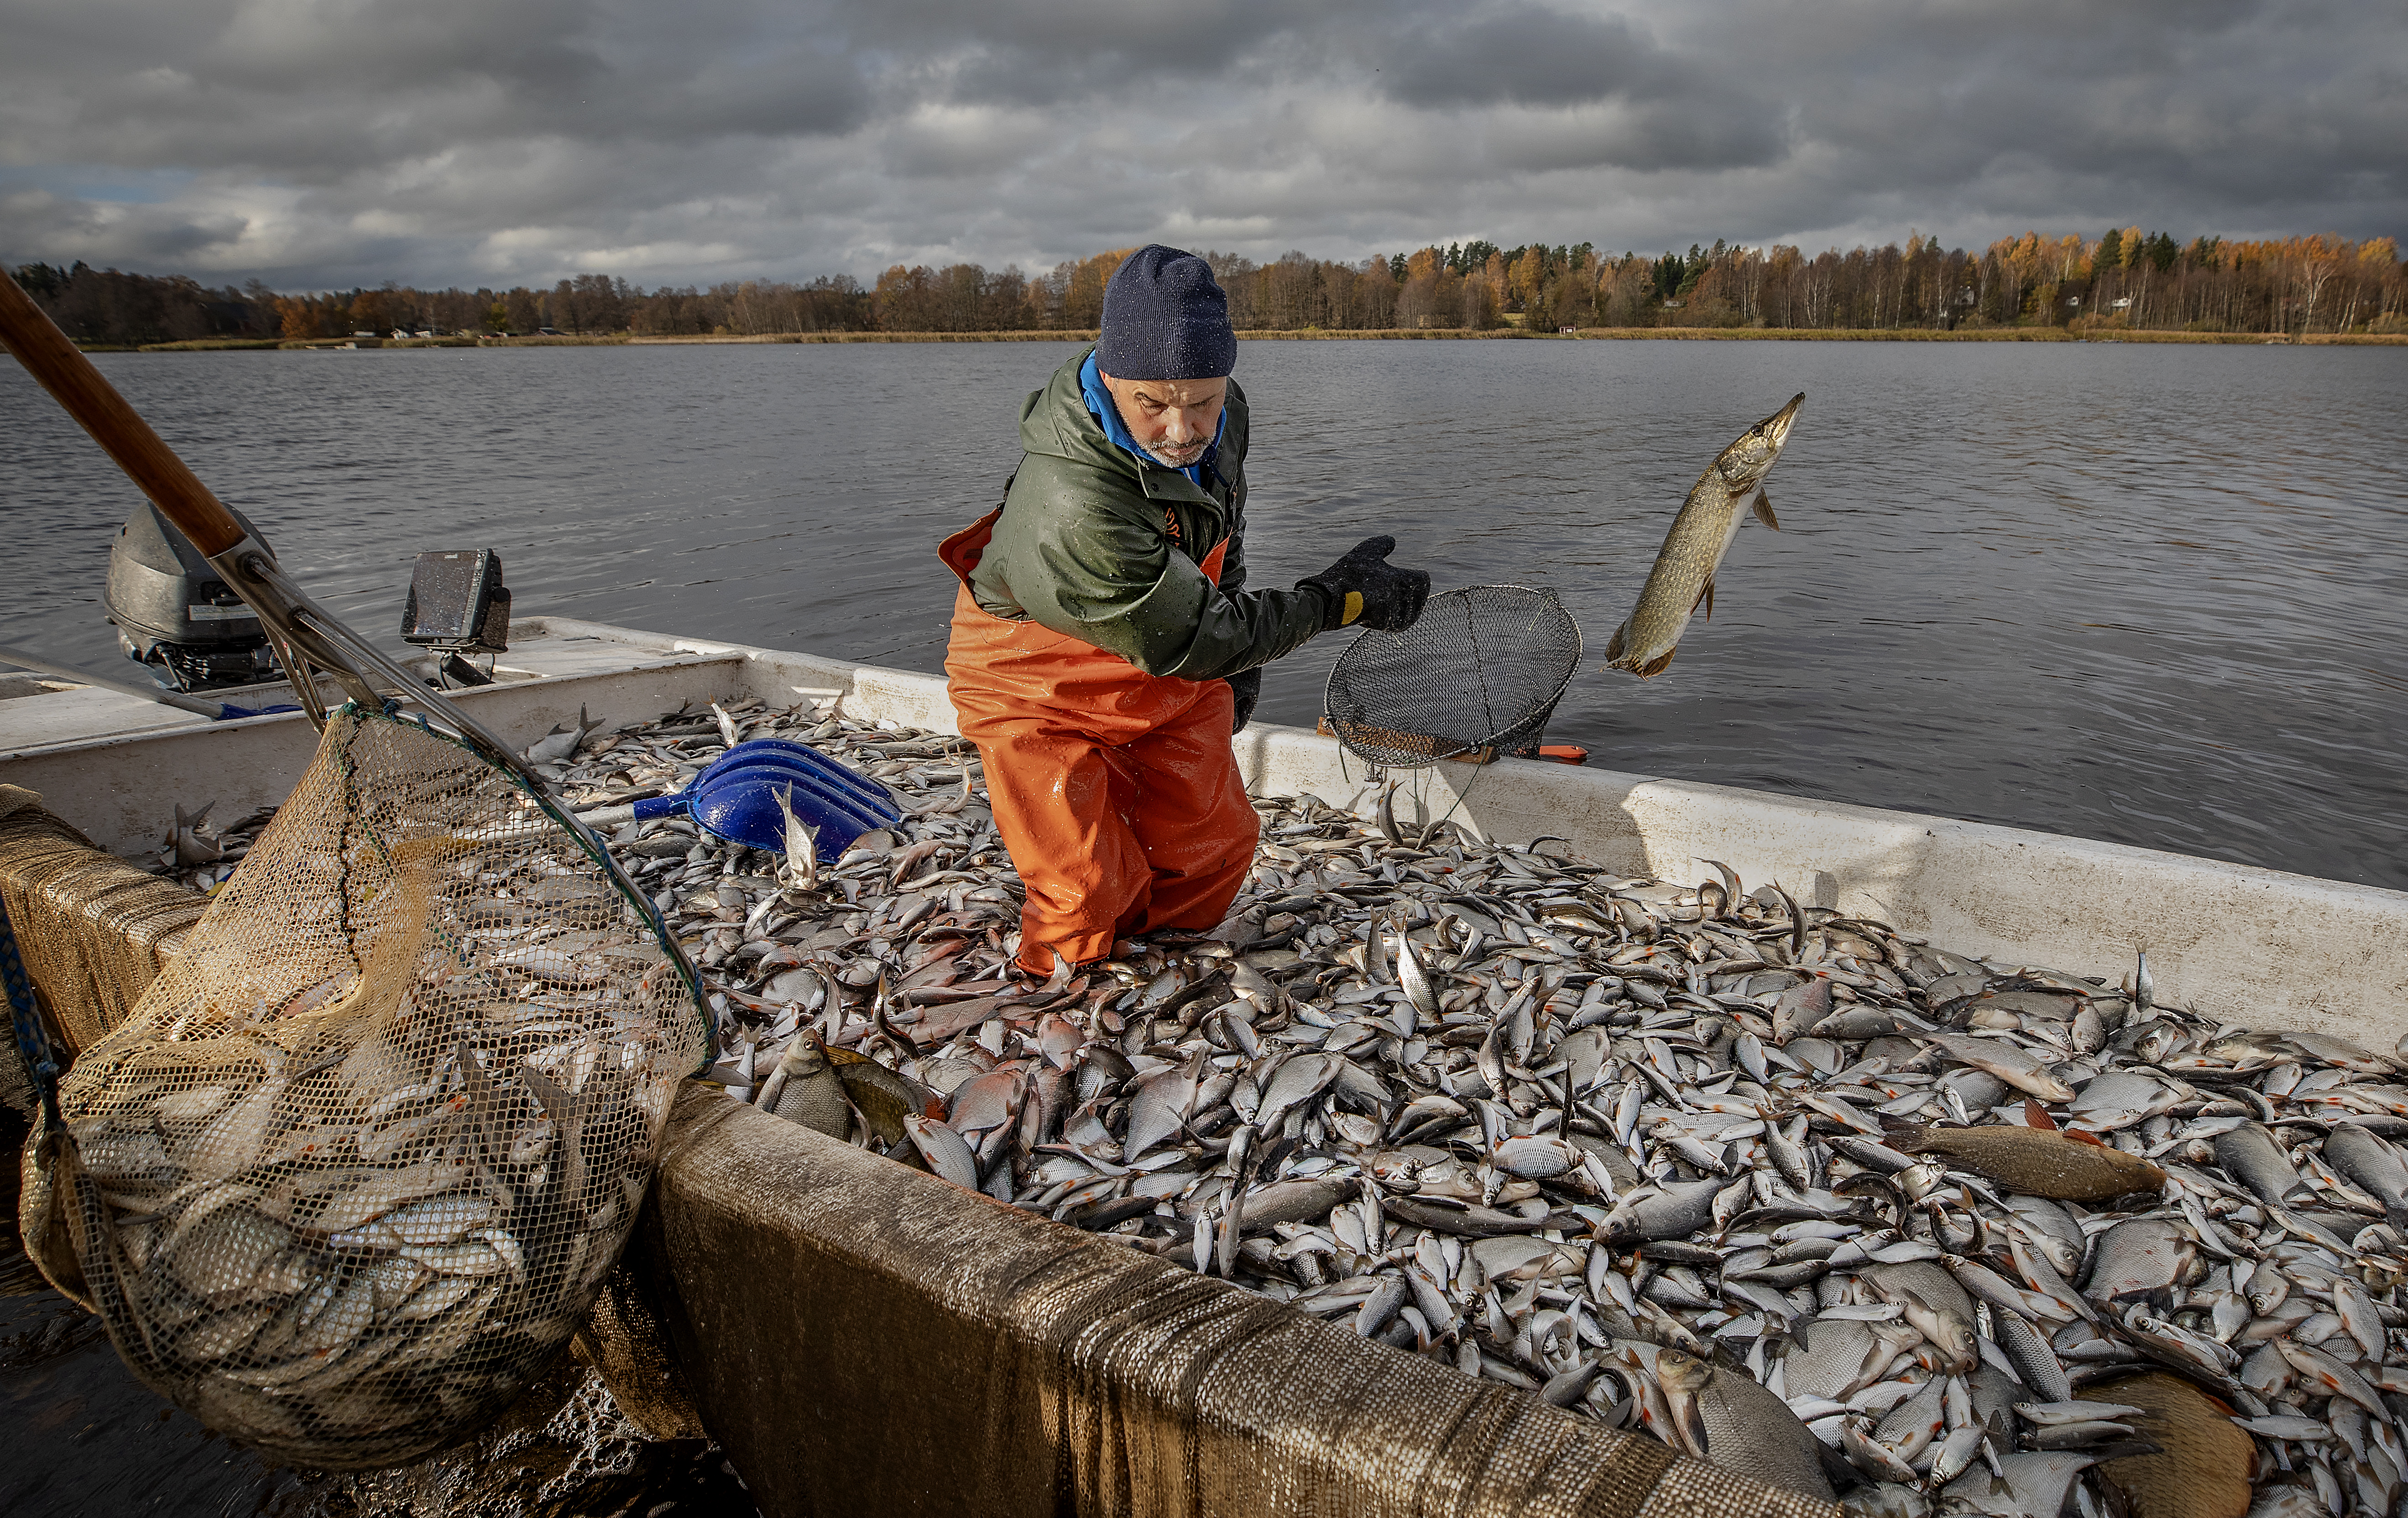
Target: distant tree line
{"x":103,"y":306}
{"x":2125,"y":279}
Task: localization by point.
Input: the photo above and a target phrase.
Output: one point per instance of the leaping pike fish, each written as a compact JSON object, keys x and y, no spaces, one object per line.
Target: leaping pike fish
{"x":1684,"y":576}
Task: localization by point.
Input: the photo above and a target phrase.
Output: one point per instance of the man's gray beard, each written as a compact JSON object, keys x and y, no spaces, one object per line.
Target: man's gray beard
{"x":1177,"y":464}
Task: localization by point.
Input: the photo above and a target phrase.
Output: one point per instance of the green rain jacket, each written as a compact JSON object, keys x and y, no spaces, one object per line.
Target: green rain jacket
{"x":1098,"y":545}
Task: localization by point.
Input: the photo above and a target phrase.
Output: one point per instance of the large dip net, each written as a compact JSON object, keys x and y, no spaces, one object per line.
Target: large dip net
{"x":353,"y":1172}
{"x":1478,"y":673}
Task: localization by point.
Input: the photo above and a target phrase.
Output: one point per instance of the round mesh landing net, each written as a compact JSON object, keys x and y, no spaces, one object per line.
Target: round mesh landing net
{"x":1481,"y":669}
{"x":352,"y":1171}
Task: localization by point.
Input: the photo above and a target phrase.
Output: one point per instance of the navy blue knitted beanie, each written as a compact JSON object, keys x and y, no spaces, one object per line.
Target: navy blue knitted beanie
{"x":1165,"y":319}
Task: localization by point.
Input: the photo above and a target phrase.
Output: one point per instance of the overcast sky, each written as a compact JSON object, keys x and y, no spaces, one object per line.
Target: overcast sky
{"x":329,"y":143}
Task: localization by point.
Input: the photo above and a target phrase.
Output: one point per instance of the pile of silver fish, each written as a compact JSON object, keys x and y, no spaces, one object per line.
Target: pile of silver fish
{"x":198,"y":853}
{"x":347,"y":1207}
{"x":1797,"y":1193}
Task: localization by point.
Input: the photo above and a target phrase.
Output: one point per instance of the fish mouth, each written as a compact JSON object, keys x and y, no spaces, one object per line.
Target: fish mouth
{"x":1746,"y":461}
{"x":1774,"y":429}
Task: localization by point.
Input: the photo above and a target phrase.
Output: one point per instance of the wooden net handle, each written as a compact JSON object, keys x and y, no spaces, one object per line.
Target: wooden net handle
{"x":63,"y":370}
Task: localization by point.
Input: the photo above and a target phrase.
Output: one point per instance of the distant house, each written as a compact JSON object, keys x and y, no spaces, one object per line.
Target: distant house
{"x":2121,"y":304}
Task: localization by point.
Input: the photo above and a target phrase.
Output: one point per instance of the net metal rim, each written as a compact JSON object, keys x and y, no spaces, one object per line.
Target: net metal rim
{"x":1386,"y":756}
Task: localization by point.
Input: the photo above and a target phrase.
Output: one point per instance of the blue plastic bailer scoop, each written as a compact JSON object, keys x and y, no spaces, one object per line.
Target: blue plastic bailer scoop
{"x":735,"y":797}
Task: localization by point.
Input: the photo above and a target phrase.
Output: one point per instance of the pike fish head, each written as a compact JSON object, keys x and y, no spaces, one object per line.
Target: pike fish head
{"x":1747,"y":461}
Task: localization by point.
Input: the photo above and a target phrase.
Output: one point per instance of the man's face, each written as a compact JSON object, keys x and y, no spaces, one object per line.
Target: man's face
{"x":1173,"y":420}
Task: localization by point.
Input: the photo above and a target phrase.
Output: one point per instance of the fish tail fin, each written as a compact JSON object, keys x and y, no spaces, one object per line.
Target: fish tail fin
{"x":1656,"y":666}
{"x":1903,"y":1135}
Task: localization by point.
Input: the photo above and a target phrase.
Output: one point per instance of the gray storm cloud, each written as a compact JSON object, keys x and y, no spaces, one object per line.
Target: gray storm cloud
{"x":441,"y":141}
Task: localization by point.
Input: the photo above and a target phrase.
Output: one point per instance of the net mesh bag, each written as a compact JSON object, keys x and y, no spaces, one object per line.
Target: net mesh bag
{"x":1482,"y":668}
{"x":351,"y":1173}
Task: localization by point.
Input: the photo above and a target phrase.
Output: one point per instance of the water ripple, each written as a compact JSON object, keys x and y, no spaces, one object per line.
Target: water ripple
{"x":2157,"y":595}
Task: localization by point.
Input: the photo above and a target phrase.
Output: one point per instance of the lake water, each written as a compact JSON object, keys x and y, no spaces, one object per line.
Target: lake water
{"x":2151,"y":593}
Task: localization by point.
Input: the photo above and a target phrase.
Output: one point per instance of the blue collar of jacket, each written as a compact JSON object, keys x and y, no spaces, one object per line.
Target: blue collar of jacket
{"x":1107,"y":416}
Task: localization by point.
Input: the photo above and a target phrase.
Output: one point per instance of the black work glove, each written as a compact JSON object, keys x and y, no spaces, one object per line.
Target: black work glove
{"x":1247,"y":686}
{"x":1363,"y":587}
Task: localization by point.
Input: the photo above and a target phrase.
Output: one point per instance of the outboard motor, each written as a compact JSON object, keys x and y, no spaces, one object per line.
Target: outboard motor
{"x":175,"y":615}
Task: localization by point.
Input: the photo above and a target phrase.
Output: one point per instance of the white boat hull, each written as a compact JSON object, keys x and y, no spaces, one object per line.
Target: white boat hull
{"x":2247,"y":945}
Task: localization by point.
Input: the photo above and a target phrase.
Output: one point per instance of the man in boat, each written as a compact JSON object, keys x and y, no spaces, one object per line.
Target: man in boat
{"x":1105,"y":646}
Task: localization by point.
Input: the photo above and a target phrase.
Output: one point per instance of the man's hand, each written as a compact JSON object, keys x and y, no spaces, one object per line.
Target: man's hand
{"x":1247,"y":686}
{"x":1363,"y":587}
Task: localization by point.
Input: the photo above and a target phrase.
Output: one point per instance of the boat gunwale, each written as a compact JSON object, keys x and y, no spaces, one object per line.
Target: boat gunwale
{"x":2242,"y":943}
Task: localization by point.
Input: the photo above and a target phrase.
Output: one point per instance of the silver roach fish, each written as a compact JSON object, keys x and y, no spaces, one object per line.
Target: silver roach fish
{"x":1789,"y":1188}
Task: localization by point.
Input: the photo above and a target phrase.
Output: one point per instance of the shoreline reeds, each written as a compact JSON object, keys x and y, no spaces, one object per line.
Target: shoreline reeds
{"x":1821,"y":334}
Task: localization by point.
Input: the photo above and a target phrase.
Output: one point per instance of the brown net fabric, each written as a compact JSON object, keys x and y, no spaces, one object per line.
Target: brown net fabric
{"x":89,"y":924}
{"x":939,"y":1353}
{"x":355,"y":1168}
{"x":92,"y":929}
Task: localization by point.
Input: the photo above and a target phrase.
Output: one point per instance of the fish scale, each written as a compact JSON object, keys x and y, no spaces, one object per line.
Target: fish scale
{"x":1390,"y":1142}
